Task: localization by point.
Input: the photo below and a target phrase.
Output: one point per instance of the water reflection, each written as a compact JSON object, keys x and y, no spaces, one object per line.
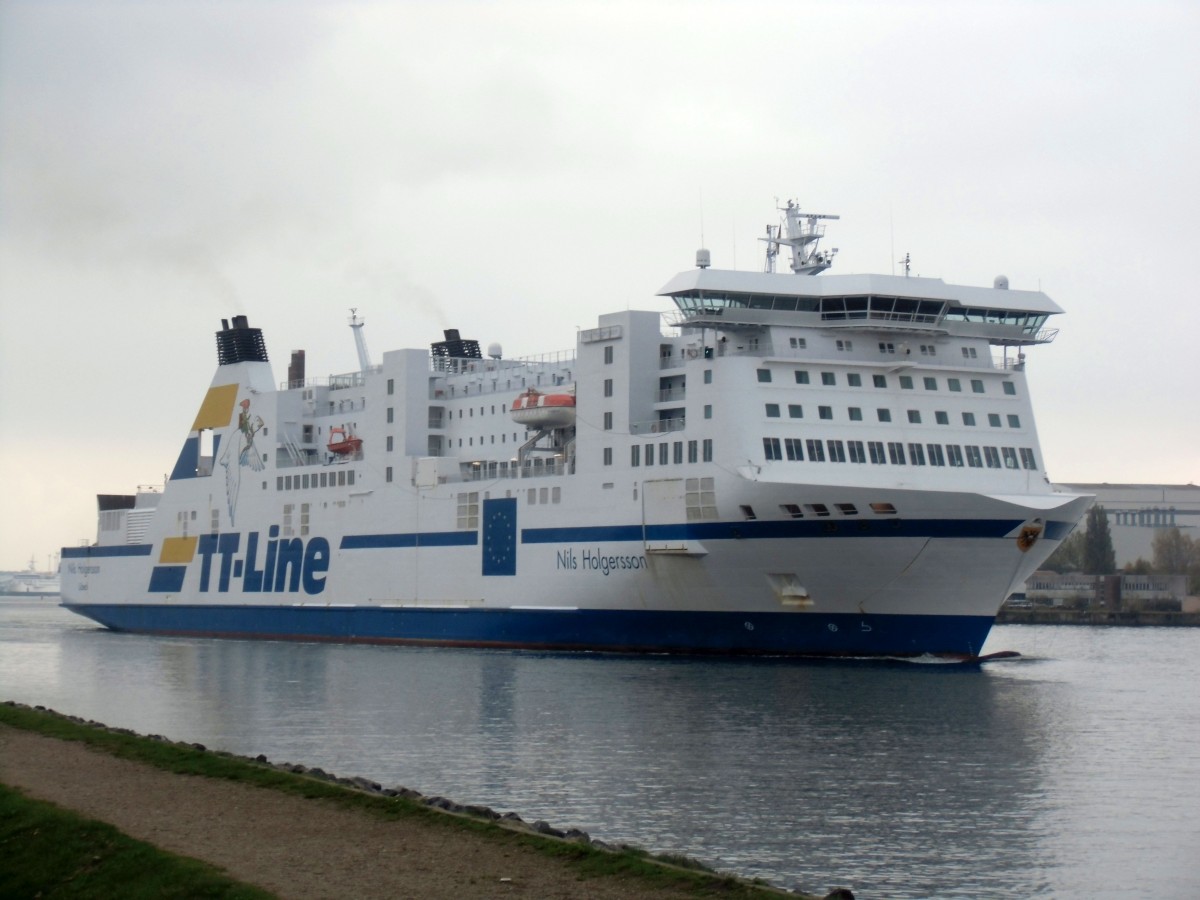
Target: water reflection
{"x":899,"y":780}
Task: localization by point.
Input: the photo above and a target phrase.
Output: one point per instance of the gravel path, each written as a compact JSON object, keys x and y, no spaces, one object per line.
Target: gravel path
{"x":293,"y":847}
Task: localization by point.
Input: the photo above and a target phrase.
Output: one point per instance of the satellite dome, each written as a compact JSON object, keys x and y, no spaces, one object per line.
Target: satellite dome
{"x":1001,"y":282}
{"x":494,"y":351}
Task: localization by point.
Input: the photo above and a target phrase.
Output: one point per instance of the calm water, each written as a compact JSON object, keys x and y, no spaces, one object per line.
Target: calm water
{"x":1073,"y":772}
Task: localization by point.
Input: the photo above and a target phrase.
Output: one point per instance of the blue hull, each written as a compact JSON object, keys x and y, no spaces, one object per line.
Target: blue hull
{"x":795,"y":634}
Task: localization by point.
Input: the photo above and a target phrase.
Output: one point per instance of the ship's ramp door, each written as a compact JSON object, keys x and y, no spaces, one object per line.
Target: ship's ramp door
{"x":665,"y":517}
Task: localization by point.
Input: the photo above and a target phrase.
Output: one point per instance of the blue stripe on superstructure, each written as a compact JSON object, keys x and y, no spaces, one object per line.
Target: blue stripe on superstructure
{"x":790,"y":528}
{"x":105,"y":551}
{"x":412,"y":539}
{"x":775,"y":633}
{"x":189,"y":459}
{"x":167,"y":579}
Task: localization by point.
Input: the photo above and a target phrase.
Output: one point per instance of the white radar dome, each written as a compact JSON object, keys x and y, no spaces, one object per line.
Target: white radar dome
{"x":703,"y":259}
{"x":494,"y":351}
{"x":1001,"y":282}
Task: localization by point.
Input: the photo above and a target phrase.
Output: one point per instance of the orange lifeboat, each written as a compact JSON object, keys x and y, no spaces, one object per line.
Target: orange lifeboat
{"x":537,"y":410}
{"x":343,"y":442}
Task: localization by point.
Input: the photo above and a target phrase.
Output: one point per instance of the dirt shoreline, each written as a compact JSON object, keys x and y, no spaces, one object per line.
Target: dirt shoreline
{"x":291,"y":846}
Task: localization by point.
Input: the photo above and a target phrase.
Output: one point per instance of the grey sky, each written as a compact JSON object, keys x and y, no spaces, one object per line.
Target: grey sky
{"x":517,"y":169}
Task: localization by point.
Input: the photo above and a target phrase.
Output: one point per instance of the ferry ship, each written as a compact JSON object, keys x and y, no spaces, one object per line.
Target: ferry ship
{"x":789,"y":463}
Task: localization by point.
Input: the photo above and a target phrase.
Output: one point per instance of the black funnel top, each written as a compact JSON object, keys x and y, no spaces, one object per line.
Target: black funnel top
{"x":241,"y":343}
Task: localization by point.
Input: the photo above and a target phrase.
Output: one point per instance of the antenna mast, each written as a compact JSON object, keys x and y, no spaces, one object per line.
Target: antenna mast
{"x":360,"y":342}
{"x":804,"y":232}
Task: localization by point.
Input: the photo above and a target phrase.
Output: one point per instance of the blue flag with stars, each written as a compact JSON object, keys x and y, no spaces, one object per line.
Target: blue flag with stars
{"x":500,"y":536}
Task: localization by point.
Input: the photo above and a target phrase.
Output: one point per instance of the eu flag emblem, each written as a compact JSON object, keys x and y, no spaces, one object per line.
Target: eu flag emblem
{"x":500,"y":536}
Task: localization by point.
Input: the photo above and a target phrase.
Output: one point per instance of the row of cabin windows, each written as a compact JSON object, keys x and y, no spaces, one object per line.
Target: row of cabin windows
{"x":667,"y":453}
{"x":491,"y":439}
{"x":821,"y":510}
{"x":893,"y":452}
{"x":906,"y":382}
{"x":308,"y":480}
{"x":855,"y":414}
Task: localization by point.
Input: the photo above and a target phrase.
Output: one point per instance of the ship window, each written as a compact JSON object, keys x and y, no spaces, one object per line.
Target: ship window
{"x":825,"y":412}
{"x":772,"y":410}
{"x":883,"y":509}
{"x":896,"y":453}
{"x":1014,"y":421}
{"x":855,"y":414}
{"x":928,"y":350}
{"x":916,"y":454}
{"x":994,"y":420}
{"x":976,"y":386}
{"x":801,"y":376}
{"x":390,"y":444}
{"x":906,"y":382}
{"x":914,"y":417}
{"x":387,"y":475}
{"x":837,"y":451}
{"x":1010,"y":388}
{"x":816,"y":452}
{"x":930,"y":384}
{"x":792,"y":510}
{"x":954,"y":453}
{"x":531,"y":496}
{"x":468,"y":509}
{"x":845,"y":345}
{"x":992,"y":456}
{"x":305,"y":481}
{"x":662,"y":453}
{"x":969,"y":352}
{"x":1010,"y":457}
{"x":607,"y":457}
{"x":854,"y":379}
{"x":608,"y":421}
{"x":969,"y":419}
{"x":1027,"y":458}
{"x":847,"y":509}
{"x":708,"y":376}
{"x":708,"y":410}
{"x":828,"y":378}
{"x":677,"y":452}
{"x":942,"y":417}
{"x":608,"y":387}
{"x":279,"y":482}
{"x":974,"y":457}
{"x":875,"y":448}
{"x":391,"y":385}
{"x":954,"y":384}
{"x":793,"y":448}
{"x":818,"y":509}
{"x":795,"y":411}
{"x":706,"y":450}
{"x":649,"y":454}
{"x":747,"y":511}
{"x":608,"y":355}
{"x":693,"y":451}
{"x":635,"y":455}
{"x":880,"y":381}
{"x":856,"y":451}
{"x":325,"y":480}
{"x":543,"y":495}
{"x":798,"y":343}
{"x":887,"y":347}
{"x":764,"y":375}
{"x":885,"y":415}
{"x":936,"y":457}
{"x":771,"y":448}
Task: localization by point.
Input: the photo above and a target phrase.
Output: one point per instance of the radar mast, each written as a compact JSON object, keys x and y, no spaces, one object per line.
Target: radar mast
{"x":800,"y":231}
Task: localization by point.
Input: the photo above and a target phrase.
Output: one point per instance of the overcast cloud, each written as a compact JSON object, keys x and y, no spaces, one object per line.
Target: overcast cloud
{"x":517,"y":169}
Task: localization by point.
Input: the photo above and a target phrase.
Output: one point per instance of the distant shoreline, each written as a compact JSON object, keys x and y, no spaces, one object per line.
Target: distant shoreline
{"x":1127,"y":617}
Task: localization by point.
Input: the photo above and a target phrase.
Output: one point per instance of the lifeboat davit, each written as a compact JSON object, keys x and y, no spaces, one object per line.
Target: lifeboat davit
{"x":537,"y":410}
{"x":343,"y":442}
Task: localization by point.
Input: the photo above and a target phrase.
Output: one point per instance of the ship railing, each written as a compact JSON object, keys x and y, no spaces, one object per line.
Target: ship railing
{"x":658,"y":426}
{"x":456,"y":365}
{"x":670,"y":394}
{"x":484,"y":470}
